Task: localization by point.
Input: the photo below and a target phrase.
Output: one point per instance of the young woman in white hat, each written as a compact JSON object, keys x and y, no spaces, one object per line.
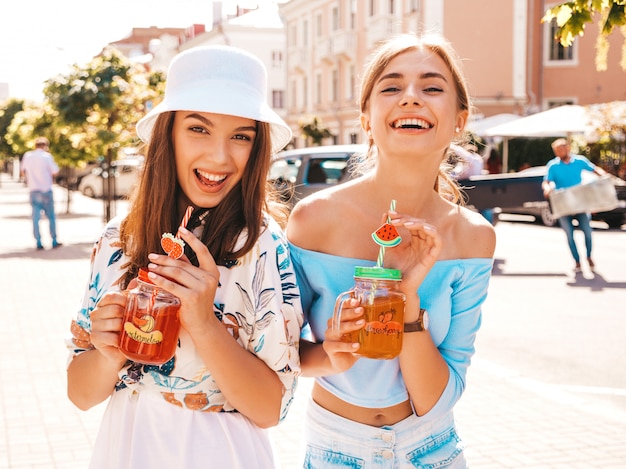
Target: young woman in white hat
{"x":236,"y":363}
{"x":395,"y":413}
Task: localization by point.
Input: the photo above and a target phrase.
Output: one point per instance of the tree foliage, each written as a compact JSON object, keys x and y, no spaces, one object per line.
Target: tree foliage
{"x":313,"y":130}
{"x":98,"y":104}
{"x":7,"y":114}
{"x":573,"y":16}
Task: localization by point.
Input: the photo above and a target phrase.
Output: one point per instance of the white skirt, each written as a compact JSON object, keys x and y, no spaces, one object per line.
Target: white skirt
{"x":142,"y":430}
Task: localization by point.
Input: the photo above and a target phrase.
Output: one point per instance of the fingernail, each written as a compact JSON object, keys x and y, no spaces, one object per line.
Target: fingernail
{"x":184,"y":230}
{"x":360,"y":322}
{"x":153,"y":256}
{"x":152,"y":266}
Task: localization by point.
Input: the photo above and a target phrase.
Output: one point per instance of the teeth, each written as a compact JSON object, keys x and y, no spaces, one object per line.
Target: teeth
{"x":210,"y":177}
{"x":419,"y":123}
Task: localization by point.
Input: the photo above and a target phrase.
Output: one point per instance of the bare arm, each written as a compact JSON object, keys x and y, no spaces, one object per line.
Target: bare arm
{"x":424,"y":369}
{"x":91,"y":376}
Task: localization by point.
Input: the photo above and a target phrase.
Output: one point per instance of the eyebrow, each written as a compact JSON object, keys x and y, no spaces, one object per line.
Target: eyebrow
{"x":209,"y":122}
{"x":394,"y":75}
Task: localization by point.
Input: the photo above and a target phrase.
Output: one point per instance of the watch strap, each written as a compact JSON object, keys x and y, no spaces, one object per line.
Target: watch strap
{"x":416,"y":326}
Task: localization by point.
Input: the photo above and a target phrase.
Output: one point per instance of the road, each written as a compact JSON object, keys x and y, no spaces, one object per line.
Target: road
{"x":552,"y":326}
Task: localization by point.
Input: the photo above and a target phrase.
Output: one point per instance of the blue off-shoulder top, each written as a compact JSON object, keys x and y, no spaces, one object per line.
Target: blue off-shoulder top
{"x":453,"y":293}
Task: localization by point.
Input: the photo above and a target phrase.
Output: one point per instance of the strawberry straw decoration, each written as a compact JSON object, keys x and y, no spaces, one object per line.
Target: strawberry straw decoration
{"x":173,"y":245}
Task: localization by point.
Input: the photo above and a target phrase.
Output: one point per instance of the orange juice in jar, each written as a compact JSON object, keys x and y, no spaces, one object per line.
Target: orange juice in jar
{"x":150,"y":326}
{"x":377,"y":290}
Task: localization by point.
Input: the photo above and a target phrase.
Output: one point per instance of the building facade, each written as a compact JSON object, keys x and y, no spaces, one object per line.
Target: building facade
{"x":511,"y":60}
{"x":259,"y":31}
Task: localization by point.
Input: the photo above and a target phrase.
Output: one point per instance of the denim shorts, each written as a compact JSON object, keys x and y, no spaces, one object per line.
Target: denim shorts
{"x":335,"y":442}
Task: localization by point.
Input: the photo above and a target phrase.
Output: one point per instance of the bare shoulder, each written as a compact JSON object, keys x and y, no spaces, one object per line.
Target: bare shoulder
{"x":471,"y":235}
{"x":316,"y":219}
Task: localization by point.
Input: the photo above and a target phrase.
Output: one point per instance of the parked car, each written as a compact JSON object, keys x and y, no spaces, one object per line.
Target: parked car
{"x":303,"y":171}
{"x":126,"y":173}
{"x":541,"y":209}
{"x":70,"y":177}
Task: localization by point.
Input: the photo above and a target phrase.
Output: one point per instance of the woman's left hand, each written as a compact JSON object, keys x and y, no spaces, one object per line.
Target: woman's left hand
{"x":194,"y":286}
{"x":418,"y":251}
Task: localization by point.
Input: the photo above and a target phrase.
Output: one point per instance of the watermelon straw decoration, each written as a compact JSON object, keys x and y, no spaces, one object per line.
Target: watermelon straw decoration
{"x":386,"y":236}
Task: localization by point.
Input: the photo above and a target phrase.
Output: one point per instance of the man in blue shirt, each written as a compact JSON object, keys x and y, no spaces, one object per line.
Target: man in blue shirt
{"x":564,"y":171}
{"x":39,"y":168}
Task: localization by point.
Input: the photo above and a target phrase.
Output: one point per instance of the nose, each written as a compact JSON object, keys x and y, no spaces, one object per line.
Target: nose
{"x":410,"y":97}
{"x":218,"y":150}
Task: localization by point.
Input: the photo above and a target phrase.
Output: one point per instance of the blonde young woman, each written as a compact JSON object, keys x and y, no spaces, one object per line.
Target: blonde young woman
{"x":236,"y":363}
{"x":395,"y":413}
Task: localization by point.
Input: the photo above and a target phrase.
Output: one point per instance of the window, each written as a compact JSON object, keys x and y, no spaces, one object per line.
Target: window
{"x":336,"y":18}
{"x":277,"y":59}
{"x":305,"y":86}
{"x":556,"y":52}
{"x":294,"y":36}
{"x":318,"y":23}
{"x":392,"y":7}
{"x":335,"y":86}
{"x":413,"y":5}
{"x":559,"y":102}
{"x":294,"y":94}
{"x":351,"y":82}
{"x":372,"y":7}
{"x":305,"y":33}
{"x":318,"y":86}
{"x":278,"y":99}
{"x":352,"y":14}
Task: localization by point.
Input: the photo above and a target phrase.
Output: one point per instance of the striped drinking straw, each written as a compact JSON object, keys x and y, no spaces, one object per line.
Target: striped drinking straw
{"x":185,"y":220}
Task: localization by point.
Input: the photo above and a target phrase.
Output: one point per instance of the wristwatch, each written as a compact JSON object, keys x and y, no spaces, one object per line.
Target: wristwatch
{"x":420,"y":325}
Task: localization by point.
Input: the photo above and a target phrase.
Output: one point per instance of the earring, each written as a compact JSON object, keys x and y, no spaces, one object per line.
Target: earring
{"x":457,"y":129}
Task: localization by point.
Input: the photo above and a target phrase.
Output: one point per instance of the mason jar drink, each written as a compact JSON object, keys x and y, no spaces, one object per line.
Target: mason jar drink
{"x":150,"y":326}
{"x":377,"y":290}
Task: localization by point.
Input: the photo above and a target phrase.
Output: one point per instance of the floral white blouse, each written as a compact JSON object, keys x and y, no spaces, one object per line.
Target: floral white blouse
{"x":257,"y":300}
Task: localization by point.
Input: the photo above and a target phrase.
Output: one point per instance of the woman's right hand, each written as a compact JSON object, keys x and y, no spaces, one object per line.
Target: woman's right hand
{"x":342,"y":354}
{"x":106,"y":324}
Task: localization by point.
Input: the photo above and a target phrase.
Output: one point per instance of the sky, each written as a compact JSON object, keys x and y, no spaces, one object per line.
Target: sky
{"x":40,"y":39}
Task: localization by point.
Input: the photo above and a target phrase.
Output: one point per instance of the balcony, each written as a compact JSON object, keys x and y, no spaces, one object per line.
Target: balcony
{"x":343,"y":43}
{"x":323,"y":50}
{"x":297,"y":60}
{"x":382,"y":27}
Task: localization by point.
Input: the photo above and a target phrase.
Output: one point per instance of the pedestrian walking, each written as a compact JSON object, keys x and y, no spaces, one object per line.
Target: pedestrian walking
{"x":235,"y":364}
{"x":366,"y":412}
{"x":563,"y":171}
{"x":38,"y":168}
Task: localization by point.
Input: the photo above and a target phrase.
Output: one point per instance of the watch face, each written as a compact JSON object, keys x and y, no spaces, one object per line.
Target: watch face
{"x":426,"y":320}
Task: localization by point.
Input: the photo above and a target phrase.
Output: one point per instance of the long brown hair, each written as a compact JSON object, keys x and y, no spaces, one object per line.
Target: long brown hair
{"x":155,"y":210}
{"x":381,"y":57}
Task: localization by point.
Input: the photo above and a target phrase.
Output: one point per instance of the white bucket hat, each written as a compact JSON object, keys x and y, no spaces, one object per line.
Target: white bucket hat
{"x":220,"y":80}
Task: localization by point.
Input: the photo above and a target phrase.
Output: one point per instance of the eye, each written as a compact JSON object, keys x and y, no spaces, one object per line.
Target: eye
{"x":433,"y":89}
{"x":198,"y":129}
{"x":244,"y":137}
{"x":390,"y":89}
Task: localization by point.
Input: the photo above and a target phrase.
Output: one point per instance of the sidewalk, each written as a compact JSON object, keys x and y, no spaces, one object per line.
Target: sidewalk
{"x":506,"y":419}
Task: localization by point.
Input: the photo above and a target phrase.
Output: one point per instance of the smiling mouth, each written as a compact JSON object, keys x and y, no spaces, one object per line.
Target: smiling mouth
{"x":209,"y":179}
{"x":412,"y":123}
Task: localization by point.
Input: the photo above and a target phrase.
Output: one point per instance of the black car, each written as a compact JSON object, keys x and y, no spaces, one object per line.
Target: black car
{"x":521,"y":193}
